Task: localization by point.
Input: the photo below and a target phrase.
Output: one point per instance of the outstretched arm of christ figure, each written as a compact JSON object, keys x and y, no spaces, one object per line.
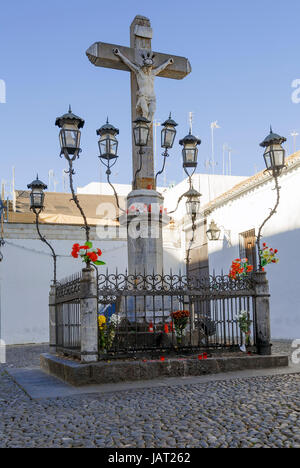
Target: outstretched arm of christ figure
{"x":163,"y":66}
{"x":127,"y":62}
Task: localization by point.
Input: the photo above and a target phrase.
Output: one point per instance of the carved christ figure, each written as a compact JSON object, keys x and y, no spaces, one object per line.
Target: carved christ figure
{"x":145,"y":74}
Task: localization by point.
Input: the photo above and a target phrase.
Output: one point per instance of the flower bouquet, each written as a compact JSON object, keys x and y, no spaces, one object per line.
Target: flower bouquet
{"x":101,"y":333}
{"x":268,"y":255}
{"x":107,"y":331}
{"x":112,"y":326}
{"x":240,"y":268}
{"x":87,"y":253}
{"x":180,"y":318}
{"x":245,"y":327}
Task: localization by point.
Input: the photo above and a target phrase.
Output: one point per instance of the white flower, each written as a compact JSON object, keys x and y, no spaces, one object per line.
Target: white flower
{"x":243,"y":314}
{"x":115,"y":320}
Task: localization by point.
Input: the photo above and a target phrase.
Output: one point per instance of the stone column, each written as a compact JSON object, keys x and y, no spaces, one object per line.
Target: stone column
{"x":88,"y":314}
{"x":262,"y":306}
{"x":52,"y":319}
{"x":145,"y":220}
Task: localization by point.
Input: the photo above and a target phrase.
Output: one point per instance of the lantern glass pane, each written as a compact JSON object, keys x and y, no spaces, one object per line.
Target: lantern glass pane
{"x":103,"y":147}
{"x":37,"y":198}
{"x":190,"y":155}
{"x":216,"y":234}
{"x":141,"y":134}
{"x":193,"y":206}
{"x":167,"y":137}
{"x":70,"y":140}
{"x":136,"y":134}
{"x":268,"y":158}
{"x":113,"y":147}
{"x":279,"y":158}
{"x":144,"y":132}
{"x":278,"y":155}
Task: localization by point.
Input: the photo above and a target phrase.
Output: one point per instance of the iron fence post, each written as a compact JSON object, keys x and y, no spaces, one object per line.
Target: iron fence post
{"x":88,"y":316}
{"x":52,"y":318}
{"x":262,"y":309}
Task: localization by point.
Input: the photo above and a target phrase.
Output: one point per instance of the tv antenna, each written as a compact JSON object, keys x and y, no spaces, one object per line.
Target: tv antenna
{"x":294,"y":134}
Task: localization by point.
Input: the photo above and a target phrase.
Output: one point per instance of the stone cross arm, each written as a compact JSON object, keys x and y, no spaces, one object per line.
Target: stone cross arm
{"x":101,"y":54}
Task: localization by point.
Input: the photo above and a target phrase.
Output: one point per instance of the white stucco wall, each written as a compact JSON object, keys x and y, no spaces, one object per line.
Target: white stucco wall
{"x":282,"y":232}
{"x":209,"y":185}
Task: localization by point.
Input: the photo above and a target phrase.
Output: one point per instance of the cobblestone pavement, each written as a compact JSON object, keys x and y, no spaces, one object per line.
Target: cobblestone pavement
{"x":25,"y":355}
{"x":251,"y":412}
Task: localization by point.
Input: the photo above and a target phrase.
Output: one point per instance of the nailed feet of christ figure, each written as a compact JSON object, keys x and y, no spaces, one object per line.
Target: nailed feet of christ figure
{"x":145,"y":75}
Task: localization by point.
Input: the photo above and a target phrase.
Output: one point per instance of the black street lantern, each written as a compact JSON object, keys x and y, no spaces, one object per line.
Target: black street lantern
{"x":37,"y":195}
{"x":274,"y":154}
{"x":168,"y":133}
{"x":193,"y":202}
{"x":108,"y":144}
{"x":69,"y":136}
{"x":141,"y":131}
{"x":213,"y":233}
{"x":190,"y":150}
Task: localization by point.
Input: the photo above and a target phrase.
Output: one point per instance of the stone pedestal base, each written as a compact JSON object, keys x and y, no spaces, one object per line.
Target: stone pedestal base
{"x":145,"y":220}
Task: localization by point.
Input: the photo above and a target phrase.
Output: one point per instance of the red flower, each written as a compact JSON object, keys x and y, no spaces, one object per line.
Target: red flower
{"x":99,"y":252}
{"x":92,"y":256}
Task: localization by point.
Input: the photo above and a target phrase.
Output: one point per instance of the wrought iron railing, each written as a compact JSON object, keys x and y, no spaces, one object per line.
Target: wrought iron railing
{"x":142,"y":307}
{"x":68,"y":315}
{"x":138,"y":313}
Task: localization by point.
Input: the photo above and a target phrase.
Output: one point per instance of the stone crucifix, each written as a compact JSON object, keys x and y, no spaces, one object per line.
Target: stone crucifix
{"x":144,"y":66}
{"x":145,"y":74}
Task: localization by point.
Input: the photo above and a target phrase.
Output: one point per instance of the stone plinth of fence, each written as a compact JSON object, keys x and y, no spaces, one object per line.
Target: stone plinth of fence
{"x":262,"y":313}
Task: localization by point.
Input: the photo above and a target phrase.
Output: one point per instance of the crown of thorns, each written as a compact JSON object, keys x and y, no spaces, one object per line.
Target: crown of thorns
{"x":148,"y":59}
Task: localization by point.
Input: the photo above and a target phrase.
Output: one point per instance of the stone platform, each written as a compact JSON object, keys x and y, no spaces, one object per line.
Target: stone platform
{"x":128,"y":371}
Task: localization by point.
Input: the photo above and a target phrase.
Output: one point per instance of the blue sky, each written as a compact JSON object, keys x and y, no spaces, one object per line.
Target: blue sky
{"x":244,"y":57}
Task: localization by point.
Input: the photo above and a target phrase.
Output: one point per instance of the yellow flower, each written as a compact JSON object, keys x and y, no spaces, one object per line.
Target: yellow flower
{"x":101,"y":321}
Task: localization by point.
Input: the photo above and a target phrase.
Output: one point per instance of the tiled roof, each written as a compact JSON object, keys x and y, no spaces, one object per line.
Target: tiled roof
{"x":249,"y":183}
{"x":59,"y":209}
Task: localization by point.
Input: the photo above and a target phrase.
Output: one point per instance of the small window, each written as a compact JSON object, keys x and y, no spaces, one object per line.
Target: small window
{"x":247,"y":243}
